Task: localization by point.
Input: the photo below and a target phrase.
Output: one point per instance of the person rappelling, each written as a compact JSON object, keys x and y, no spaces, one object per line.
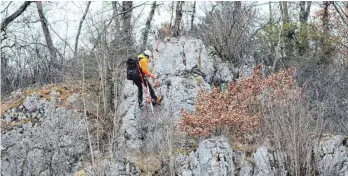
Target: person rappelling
{"x":137,"y":71}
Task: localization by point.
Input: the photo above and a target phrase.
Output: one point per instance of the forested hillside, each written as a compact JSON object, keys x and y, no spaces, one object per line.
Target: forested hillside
{"x":250,"y":88}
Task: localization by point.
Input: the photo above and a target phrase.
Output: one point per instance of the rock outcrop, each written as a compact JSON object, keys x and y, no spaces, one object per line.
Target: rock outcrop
{"x":213,"y":157}
{"x":216,"y":157}
{"x":182,"y":68}
{"x":332,"y":156}
{"x":37,"y":138}
{"x":40,"y":137}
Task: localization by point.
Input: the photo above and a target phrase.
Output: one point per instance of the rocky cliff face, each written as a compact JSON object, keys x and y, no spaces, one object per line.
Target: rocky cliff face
{"x":216,"y":157}
{"x":332,"y":156}
{"x":182,"y":67}
{"x":213,"y":157}
{"x":41,"y":137}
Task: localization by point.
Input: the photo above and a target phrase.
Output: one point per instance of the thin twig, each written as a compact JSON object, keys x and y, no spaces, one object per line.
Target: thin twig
{"x":339,"y":12}
{"x":85,"y":110}
{"x":277,"y":50}
{"x":6,"y":7}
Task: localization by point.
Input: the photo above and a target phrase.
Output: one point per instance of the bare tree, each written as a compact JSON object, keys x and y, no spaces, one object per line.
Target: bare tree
{"x":270,"y":13}
{"x":171,"y":14}
{"x":343,"y":12}
{"x":193,"y":13}
{"x":288,"y":33}
{"x":228,"y":31}
{"x":304,"y":14}
{"x":126,"y":23}
{"x":178,"y":18}
{"x":325,"y":18}
{"x":326,"y":48}
{"x":44,"y":25}
{"x":238,"y":5}
{"x":80,"y":26}
{"x":346,"y":12}
{"x":110,"y":78}
{"x":116,"y":19}
{"x":147,"y":25}
{"x":12,"y":17}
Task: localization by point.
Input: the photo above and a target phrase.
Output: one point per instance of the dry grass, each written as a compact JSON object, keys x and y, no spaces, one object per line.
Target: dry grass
{"x":5,"y":126}
{"x":11,"y":104}
{"x":149,"y":164}
{"x":293,"y":130}
{"x":64,"y":90}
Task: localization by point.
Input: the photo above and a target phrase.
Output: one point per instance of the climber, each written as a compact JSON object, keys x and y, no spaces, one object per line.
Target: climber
{"x":139,"y":77}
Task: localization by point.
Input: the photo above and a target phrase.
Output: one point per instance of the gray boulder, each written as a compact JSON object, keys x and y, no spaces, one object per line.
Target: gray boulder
{"x":32,"y":102}
{"x":213,"y":157}
{"x":267,"y":163}
{"x":332,"y":156}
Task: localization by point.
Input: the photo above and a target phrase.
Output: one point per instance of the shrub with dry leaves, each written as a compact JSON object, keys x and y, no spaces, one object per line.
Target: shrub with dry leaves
{"x":238,"y":108}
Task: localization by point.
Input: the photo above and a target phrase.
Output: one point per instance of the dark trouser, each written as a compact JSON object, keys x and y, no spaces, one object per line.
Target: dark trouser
{"x":140,"y":89}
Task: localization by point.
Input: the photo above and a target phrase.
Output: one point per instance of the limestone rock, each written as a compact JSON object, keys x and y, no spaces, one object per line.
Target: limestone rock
{"x":180,"y":83}
{"x":332,"y":156}
{"x":32,"y":102}
{"x":267,"y":163}
{"x":51,"y":148}
{"x":213,"y":157}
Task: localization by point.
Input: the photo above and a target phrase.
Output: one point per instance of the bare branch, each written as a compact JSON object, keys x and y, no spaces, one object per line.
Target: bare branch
{"x":344,"y":19}
{"x":80,"y":26}
{"x":47,"y":34}
{"x":148,"y":23}
{"x":7,"y":7}
{"x":12,"y":17}
{"x":130,"y":9}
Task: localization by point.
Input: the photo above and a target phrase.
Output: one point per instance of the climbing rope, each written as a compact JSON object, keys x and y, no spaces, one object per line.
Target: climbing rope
{"x":146,"y":89}
{"x":157,"y":108}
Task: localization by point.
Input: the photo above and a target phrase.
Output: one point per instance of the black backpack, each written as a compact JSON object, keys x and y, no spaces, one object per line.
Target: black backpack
{"x":133,"y":69}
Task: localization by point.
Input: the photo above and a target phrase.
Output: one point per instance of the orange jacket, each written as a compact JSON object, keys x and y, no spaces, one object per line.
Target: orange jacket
{"x":143,"y":63}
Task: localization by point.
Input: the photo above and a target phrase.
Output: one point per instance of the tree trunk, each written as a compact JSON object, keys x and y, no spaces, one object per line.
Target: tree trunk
{"x":270,"y":58}
{"x":303,"y":39}
{"x":285,"y":12}
{"x":171,"y":15}
{"x":126,"y":23}
{"x":47,"y":34}
{"x":80,"y":26}
{"x":193,"y":13}
{"x":108,"y":62}
{"x":238,"y":5}
{"x":287,"y":34}
{"x":116,"y":19}
{"x":148,"y":26}
{"x":325,"y":18}
{"x":178,"y":17}
{"x":270,"y":13}
{"x":12,"y":17}
{"x":346,"y":11}
{"x":326,"y":48}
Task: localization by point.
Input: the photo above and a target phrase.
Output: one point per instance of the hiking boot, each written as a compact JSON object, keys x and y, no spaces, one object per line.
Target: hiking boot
{"x":158,"y":101}
{"x":140,"y":104}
